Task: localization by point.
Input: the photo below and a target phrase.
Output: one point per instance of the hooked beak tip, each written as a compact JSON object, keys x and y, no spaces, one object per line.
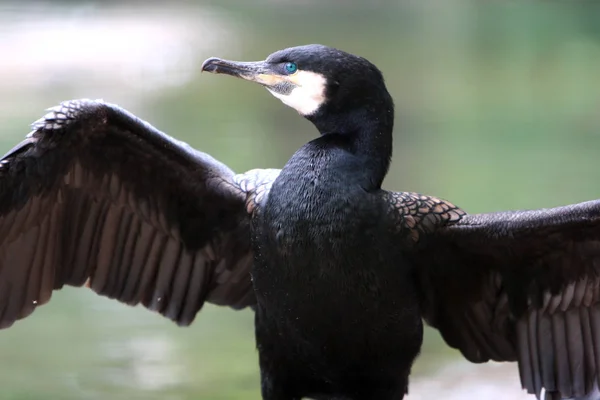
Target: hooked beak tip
{"x":210,"y":64}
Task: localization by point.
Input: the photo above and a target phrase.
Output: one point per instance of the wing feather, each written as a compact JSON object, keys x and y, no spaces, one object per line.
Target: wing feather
{"x":99,"y":197}
{"x":512,"y":286}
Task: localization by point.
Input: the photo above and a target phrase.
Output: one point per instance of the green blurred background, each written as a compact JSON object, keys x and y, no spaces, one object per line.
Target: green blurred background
{"x":497,"y":108}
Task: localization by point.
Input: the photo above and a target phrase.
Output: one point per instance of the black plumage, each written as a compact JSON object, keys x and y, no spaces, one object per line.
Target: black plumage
{"x":339,"y":271}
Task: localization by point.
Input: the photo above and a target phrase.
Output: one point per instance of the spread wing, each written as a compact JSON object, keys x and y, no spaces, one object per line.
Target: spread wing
{"x":515,"y":286}
{"x":94,"y":195}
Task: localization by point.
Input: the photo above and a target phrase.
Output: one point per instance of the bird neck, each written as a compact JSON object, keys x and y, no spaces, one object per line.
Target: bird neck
{"x":366,"y":133}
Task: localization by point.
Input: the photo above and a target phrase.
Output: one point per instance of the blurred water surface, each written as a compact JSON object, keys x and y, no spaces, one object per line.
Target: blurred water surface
{"x":497,"y":108}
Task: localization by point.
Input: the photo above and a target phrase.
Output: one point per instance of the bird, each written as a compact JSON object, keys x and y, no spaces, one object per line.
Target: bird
{"x":341,"y":273}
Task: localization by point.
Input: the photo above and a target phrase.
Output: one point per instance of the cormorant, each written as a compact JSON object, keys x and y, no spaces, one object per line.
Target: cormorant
{"x":339,"y":271}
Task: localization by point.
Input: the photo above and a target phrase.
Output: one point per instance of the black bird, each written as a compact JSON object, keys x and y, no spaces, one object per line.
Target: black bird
{"x":339,"y":271}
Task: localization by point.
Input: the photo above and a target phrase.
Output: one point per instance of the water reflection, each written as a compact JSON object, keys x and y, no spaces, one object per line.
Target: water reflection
{"x":150,"y":363}
{"x":148,"y":49}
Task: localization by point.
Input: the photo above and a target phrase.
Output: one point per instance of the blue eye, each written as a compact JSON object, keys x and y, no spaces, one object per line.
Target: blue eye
{"x":291,"y":67}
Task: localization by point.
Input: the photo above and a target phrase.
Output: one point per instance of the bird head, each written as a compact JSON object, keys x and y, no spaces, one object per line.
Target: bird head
{"x":315,"y":80}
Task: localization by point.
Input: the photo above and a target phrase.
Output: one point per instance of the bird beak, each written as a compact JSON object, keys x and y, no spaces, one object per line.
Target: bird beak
{"x":255,"y":71}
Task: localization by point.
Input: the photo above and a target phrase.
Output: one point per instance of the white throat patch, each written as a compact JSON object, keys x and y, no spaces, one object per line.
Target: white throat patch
{"x":308,"y":95}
